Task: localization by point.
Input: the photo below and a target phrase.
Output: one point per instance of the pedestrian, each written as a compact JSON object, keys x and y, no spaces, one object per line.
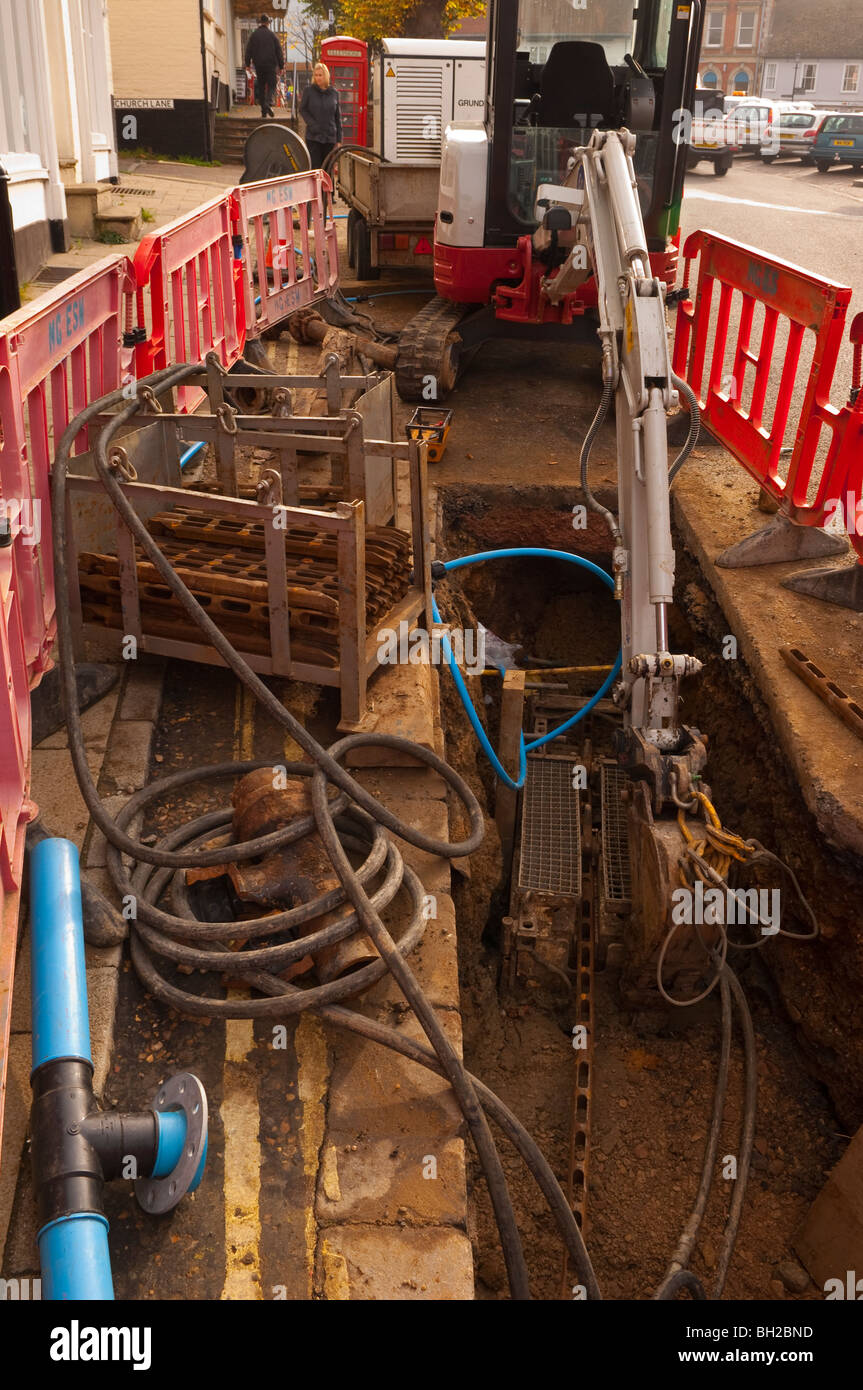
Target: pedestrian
{"x":319,"y":108}
{"x":265,"y":52}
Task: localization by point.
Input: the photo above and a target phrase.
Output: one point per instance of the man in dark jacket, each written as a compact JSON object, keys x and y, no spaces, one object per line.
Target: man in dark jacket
{"x":265,"y":52}
{"x":319,"y":109}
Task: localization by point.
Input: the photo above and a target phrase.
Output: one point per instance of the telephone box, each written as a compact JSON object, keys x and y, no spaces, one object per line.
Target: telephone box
{"x":348,"y":62}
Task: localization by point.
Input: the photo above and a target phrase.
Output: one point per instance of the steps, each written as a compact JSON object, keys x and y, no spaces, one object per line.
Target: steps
{"x":233,"y":131}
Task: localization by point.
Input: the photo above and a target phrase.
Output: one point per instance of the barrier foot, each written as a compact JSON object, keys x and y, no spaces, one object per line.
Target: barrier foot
{"x":841,"y":586}
{"x":781,"y":540}
{"x":255,"y":352}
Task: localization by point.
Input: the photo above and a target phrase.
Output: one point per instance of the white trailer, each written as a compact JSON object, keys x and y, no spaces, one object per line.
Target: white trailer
{"x":417,"y":87}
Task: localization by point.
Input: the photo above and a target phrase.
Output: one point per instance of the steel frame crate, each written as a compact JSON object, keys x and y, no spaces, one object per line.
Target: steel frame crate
{"x":147,"y":456}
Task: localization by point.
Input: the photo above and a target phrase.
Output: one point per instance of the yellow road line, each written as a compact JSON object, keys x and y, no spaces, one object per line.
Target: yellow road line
{"x":241,"y":1114}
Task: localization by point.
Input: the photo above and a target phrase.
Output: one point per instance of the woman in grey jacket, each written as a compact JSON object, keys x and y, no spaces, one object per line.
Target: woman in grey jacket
{"x":319,"y":109}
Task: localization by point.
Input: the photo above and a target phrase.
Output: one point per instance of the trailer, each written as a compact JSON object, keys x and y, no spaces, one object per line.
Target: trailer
{"x":418,"y":86}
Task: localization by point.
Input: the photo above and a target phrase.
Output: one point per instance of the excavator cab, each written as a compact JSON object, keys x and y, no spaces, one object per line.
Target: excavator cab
{"x":556,"y":71}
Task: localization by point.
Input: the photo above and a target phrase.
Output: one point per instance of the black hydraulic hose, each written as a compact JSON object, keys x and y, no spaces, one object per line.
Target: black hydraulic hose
{"x":332,"y":159}
{"x":683,"y":1279}
{"x":595,"y":426}
{"x":355,"y":830}
{"x":680,"y":1259}
{"x":747,"y":1134}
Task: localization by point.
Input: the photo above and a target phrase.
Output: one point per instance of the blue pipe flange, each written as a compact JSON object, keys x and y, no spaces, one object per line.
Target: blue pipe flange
{"x":183,"y":1092}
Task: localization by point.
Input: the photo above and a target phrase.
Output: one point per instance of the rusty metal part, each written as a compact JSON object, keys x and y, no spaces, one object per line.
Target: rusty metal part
{"x":655,"y":848}
{"x":582,"y":957}
{"x":307,"y":326}
{"x":223,"y":562}
{"x":297,"y":873}
{"x":836,"y":699}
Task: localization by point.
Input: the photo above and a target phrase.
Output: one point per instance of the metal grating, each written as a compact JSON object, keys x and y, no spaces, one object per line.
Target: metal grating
{"x":550,"y":860}
{"x":615,"y":839}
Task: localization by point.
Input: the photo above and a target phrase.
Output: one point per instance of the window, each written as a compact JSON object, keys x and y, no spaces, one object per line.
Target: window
{"x":741,"y":82}
{"x":746,"y":28}
{"x":770,"y":77}
{"x":715,"y":26}
{"x":843,"y":125}
{"x":851,"y":77}
{"x":808,"y":77}
{"x":710,"y":80}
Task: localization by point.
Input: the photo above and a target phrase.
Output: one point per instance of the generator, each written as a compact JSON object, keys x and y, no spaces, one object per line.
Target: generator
{"x":417,"y":87}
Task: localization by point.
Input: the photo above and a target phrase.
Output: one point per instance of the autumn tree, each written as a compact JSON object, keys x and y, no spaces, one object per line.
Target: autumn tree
{"x":422,"y":19}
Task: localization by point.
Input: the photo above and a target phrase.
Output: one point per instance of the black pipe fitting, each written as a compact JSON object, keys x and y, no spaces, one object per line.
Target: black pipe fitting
{"x":75,"y":1147}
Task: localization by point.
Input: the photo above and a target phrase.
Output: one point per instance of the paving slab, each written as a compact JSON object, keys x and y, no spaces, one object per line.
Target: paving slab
{"x":395,"y":1263}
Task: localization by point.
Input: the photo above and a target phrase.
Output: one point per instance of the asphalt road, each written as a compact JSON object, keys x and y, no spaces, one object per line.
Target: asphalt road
{"x":791,"y":211}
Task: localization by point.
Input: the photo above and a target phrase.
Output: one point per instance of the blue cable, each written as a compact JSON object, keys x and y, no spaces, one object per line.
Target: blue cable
{"x":524,"y":748}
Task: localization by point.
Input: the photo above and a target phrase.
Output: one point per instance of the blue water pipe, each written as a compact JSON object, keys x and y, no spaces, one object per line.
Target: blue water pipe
{"x":519,"y":552}
{"x":192,"y":452}
{"x":75,"y":1146}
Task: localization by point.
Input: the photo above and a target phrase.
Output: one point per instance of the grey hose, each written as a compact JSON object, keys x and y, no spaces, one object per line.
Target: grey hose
{"x":694,"y":426}
{"x":680,"y":1258}
{"x":595,"y":426}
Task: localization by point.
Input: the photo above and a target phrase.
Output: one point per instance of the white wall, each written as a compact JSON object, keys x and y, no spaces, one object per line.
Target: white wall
{"x":156,"y":49}
{"x":828,"y":81}
{"x":28,"y":148}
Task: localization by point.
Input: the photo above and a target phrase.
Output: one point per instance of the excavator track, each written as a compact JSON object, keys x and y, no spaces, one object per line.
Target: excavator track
{"x":429,"y":349}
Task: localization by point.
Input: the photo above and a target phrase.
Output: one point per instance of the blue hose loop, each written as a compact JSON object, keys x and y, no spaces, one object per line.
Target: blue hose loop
{"x":536,"y":552}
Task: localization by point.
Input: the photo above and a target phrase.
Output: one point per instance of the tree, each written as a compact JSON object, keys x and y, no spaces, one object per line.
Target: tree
{"x":306,"y":25}
{"x":424,"y":19}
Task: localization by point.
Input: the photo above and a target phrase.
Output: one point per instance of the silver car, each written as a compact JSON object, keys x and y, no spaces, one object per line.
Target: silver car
{"x":797,"y":132}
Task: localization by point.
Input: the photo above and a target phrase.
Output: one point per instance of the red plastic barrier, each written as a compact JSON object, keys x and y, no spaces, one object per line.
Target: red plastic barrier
{"x":56,"y":355}
{"x":285,"y":266}
{"x":195,"y":304}
{"x":733,"y":393}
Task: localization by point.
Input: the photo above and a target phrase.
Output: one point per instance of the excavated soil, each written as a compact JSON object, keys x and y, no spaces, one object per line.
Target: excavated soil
{"x":653,"y":1075}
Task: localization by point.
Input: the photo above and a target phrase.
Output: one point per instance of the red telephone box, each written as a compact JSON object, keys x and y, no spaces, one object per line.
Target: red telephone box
{"x":348,"y":62}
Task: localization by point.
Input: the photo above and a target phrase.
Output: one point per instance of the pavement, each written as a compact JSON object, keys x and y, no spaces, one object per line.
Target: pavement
{"x":164,"y":189}
{"x":315,"y":1185}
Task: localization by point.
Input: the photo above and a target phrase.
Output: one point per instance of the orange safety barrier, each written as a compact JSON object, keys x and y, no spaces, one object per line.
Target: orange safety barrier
{"x":195,"y":300}
{"x":290,"y":255}
{"x":738,"y":382}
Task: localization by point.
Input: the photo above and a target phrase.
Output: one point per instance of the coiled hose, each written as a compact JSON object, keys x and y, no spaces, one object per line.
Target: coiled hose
{"x":351,"y":820}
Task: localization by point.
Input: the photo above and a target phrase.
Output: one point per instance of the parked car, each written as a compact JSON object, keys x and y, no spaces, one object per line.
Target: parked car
{"x":840,"y":139}
{"x":797,"y":134}
{"x":747,"y":126}
{"x":708,"y":138}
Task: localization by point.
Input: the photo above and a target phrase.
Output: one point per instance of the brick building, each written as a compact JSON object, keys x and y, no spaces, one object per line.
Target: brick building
{"x":731,"y":45}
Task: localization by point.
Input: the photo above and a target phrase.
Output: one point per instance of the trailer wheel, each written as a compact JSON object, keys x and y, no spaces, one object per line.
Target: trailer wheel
{"x":722,"y":164}
{"x":352,"y":222}
{"x":822,"y":165}
{"x":363,"y":251}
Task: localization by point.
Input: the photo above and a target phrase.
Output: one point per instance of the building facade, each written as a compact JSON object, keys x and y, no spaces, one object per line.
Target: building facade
{"x":814,"y":57}
{"x":731,"y":45}
{"x":56,"y":128}
{"x":173,"y":64}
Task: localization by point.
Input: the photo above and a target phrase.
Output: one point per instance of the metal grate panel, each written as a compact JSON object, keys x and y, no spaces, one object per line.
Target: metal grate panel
{"x":550,"y":860}
{"x":615,"y":839}
{"x":420,"y":107}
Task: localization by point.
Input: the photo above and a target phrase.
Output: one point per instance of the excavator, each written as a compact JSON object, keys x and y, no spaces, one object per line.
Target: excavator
{"x":557,"y":71}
